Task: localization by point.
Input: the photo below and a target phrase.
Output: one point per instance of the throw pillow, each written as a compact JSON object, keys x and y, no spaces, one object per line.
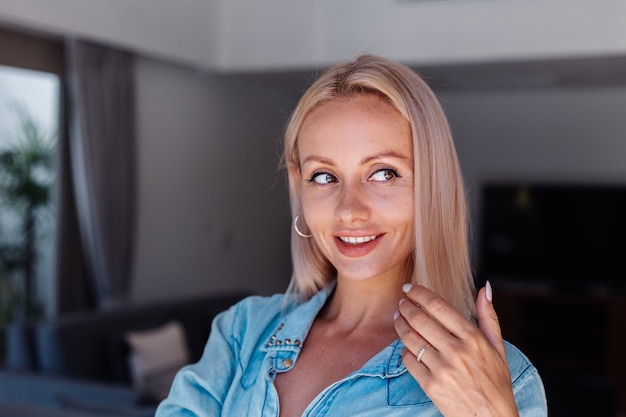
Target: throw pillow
{"x":155,"y":357}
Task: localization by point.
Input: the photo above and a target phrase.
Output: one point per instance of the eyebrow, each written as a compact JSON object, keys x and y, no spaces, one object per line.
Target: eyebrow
{"x":388,"y":154}
{"x":327,"y":161}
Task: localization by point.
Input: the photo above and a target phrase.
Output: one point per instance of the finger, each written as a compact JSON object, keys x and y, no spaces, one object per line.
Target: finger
{"x":421,"y":323}
{"x":419,"y":370}
{"x":447,"y":316}
{"x":488,"y":319}
{"x":412,"y":340}
{"x":416,"y":348}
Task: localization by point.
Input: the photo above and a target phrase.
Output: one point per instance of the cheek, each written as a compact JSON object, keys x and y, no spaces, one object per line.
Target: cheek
{"x":403,"y":217}
{"x":397,"y":206}
{"x":315,"y":208}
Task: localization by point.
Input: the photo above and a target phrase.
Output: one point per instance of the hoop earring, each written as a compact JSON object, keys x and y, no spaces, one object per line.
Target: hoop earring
{"x":295,"y":226}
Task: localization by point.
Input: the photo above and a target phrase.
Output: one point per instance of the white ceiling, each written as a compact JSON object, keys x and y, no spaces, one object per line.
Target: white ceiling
{"x":456,"y":44}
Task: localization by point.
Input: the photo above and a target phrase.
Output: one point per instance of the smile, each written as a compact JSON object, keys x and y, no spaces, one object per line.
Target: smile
{"x":356,"y":240}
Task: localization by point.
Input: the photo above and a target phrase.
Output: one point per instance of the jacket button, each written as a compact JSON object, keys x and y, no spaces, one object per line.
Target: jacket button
{"x":287,"y":362}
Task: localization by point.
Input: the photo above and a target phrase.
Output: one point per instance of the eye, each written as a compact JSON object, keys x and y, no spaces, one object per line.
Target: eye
{"x":383,"y":175}
{"x":323,"y":178}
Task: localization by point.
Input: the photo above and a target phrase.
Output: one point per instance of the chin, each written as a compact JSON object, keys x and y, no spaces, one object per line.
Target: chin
{"x":363,"y":276}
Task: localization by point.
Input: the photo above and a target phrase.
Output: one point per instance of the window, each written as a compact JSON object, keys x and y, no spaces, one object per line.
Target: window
{"x":29,"y":134}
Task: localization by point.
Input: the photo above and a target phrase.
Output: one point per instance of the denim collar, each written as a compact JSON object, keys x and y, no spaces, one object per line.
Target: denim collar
{"x":288,"y":337}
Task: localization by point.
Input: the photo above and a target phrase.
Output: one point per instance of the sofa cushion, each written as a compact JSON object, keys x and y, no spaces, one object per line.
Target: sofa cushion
{"x":155,"y":357}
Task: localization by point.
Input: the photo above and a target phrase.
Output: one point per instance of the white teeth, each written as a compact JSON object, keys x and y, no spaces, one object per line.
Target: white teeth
{"x":357,"y":240}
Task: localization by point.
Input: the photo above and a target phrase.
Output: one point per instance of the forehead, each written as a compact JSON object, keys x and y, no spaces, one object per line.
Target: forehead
{"x":360,"y":120}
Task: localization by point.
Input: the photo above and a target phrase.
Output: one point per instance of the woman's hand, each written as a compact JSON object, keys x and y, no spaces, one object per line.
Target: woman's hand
{"x":462,"y":368}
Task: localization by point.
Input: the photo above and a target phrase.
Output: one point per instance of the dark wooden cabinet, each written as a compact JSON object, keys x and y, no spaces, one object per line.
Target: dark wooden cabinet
{"x":576,"y":341}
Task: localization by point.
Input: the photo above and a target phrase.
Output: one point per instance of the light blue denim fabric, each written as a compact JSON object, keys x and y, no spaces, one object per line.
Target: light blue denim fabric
{"x":260,"y":337}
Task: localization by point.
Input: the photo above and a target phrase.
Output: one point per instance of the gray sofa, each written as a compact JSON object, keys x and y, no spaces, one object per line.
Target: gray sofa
{"x":79,"y":364}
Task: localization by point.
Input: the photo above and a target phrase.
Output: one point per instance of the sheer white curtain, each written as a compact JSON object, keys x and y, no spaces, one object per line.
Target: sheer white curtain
{"x":101,"y":114}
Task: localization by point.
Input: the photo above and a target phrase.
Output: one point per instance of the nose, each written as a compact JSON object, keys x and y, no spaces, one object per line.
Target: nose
{"x":352,"y":204}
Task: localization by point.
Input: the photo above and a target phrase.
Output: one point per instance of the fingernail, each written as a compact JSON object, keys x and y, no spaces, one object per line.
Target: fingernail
{"x":407,"y":287}
{"x":396,"y":315}
{"x":488,"y":292}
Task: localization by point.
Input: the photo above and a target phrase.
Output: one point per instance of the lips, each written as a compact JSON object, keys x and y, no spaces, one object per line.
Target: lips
{"x":356,"y":246}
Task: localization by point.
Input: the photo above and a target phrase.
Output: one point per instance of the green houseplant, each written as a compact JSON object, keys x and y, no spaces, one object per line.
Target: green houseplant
{"x":26,"y":172}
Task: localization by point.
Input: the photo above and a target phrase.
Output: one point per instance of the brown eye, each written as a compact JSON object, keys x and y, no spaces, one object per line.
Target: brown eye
{"x":384,"y":175}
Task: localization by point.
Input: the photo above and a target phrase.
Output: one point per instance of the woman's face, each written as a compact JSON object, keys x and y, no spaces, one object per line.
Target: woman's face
{"x":356,"y":186}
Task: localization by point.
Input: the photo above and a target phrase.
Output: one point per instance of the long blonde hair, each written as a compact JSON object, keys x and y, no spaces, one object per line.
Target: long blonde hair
{"x":440,"y":259}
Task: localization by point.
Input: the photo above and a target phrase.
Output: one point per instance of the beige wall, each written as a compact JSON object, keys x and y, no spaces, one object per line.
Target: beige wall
{"x":213,"y":206}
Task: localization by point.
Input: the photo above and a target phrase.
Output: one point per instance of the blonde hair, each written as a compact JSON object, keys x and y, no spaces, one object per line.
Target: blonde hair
{"x":441,"y":255}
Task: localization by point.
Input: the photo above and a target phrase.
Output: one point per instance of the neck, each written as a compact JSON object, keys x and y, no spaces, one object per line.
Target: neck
{"x":368,"y":304}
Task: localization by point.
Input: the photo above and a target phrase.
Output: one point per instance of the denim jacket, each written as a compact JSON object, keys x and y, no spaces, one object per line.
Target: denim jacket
{"x":262,"y":336}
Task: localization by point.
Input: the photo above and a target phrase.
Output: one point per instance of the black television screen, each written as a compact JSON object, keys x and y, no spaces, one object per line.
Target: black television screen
{"x":565,"y":236}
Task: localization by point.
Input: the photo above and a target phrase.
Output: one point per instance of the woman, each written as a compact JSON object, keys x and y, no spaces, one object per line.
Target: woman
{"x":381,"y":317}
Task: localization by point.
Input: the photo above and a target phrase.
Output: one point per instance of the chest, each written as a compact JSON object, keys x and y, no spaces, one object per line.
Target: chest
{"x":323,"y":361}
